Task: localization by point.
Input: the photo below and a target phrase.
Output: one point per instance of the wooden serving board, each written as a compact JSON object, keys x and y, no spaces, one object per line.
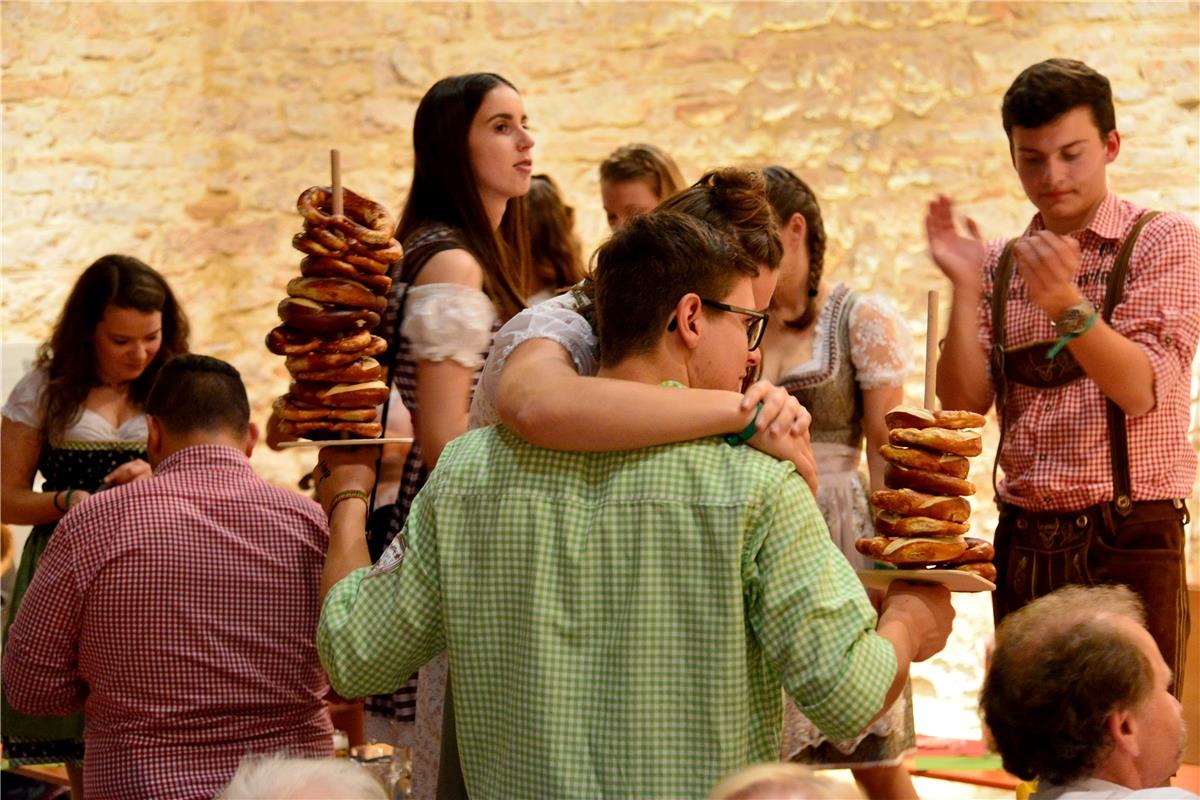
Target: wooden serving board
{"x":953,"y":579}
{"x":346,"y":442}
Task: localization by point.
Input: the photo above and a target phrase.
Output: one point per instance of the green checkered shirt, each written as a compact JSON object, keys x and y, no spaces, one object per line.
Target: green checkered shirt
{"x":619,"y":624}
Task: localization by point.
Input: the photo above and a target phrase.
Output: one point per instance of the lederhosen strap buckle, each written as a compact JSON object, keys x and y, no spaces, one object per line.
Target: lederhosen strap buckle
{"x":1028,"y":365}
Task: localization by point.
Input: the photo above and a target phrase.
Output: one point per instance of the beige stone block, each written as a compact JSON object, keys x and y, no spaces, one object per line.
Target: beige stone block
{"x":310,"y":120}
{"x":388,"y":114}
{"x":755,"y":18}
{"x":410,"y":66}
{"x":19,"y":90}
{"x":213,"y":206}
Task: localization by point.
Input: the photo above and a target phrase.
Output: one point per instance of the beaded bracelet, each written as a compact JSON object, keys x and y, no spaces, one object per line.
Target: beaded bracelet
{"x":347,"y":494}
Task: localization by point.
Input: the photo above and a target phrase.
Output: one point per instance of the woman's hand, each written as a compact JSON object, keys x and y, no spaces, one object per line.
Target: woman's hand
{"x":341,"y":469}
{"x":136,"y":470}
{"x":780,"y":412}
{"x":783,"y":428}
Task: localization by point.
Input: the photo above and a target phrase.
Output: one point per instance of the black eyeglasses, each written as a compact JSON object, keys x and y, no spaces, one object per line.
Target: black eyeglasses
{"x":754,"y":333}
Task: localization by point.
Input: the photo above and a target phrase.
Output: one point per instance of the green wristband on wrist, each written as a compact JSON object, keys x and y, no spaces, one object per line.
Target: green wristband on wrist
{"x":735,"y":439}
{"x":1065,"y":340}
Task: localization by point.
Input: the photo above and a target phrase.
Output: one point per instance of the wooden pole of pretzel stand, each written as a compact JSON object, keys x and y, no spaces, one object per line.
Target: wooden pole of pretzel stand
{"x":335,"y":169}
{"x":931,"y":350}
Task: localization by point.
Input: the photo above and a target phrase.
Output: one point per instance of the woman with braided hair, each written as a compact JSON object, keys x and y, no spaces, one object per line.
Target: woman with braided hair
{"x":844,"y":356}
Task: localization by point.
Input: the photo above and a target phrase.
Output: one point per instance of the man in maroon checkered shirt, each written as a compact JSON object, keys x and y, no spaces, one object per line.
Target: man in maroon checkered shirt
{"x":1082,"y":332}
{"x":180,"y":612}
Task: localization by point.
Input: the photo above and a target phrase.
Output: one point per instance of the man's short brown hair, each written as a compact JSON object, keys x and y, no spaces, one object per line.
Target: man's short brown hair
{"x":647,"y":266}
{"x":1060,"y":667}
{"x":1047,"y":90}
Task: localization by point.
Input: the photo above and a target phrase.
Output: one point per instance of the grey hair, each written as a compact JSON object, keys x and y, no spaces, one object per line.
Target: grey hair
{"x":275,"y":777}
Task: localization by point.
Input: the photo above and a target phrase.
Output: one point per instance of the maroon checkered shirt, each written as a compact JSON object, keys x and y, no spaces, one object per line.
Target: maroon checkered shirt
{"x":1056,"y":447}
{"x":181,"y":614}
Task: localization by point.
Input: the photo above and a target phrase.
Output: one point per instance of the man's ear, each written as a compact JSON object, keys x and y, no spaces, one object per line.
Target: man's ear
{"x":685,"y":322}
{"x":154,"y":437}
{"x":1112,"y":146}
{"x":251,"y":439}
{"x":1123,"y":729}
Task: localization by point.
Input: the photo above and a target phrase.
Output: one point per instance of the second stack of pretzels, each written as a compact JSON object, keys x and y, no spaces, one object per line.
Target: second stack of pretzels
{"x":922,"y":515}
{"x":329,"y":317}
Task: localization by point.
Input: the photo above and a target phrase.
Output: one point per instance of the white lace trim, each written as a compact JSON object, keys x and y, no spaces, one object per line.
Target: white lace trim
{"x":448,"y":321}
{"x":556,"y":319}
{"x":880,"y":343}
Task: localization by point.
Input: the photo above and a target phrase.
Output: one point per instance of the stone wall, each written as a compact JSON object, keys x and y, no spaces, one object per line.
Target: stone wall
{"x":182,"y":133}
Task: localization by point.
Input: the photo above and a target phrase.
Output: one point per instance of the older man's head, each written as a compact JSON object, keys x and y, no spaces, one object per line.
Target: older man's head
{"x":1077,"y":689}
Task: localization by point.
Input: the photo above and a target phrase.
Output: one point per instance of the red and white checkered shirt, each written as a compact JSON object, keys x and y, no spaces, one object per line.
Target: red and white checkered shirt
{"x":181,"y":613}
{"x":1056,"y":446}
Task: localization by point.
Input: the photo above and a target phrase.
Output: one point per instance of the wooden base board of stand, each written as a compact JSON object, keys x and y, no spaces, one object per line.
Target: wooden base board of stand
{"x":346,"y":442}
{"x":955,"y":580}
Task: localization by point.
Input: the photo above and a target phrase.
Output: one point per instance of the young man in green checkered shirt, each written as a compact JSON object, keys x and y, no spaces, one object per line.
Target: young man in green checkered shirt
{"x":619,"y":624}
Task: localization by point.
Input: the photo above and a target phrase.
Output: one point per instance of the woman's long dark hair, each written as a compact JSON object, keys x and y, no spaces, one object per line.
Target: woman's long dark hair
{"x":69,"y":355}
{"x":789,"y":195}
{"x":444,"y":188}
{"x":554,"y":249}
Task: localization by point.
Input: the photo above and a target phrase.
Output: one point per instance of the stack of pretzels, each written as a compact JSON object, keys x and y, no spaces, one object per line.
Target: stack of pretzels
{"x":329,"y":317}
{"x":922,"y":515}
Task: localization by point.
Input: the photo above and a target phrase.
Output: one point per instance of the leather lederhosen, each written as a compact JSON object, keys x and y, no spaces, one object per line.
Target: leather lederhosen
{"x":1139,"y":544}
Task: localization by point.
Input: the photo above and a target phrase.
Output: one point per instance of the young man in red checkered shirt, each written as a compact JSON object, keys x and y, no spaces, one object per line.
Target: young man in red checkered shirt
{"x":1089,"y":365}
{"x":180,"y":612}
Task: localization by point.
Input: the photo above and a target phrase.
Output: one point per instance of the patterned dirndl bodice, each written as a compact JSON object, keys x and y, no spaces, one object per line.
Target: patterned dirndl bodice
{"x":83,"y":465}
{"x":830,"y":391}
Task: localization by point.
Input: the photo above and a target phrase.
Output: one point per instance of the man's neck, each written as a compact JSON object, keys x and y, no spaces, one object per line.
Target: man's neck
{"x":1064,"y":225}
{"x":175,"y":444}
{"x":652,"y":368}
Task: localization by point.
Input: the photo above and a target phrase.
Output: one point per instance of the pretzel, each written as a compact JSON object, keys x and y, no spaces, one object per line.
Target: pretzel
{"x":306,"y":245}
{"x":940,"y":440}
{"x":338,"y":292}
{"x":328,"y":238}
{"x":369,"y":263}
{"x":918,"y":552}
{"x":921,"y":480}
{"x":916,"y":458}
{"x":321,"y":267}
{"x":358,"y":371}
{"x":916,"y":417}
{"x":318,"y":360}
{"x":909,"y":502}
{"x":364,"y":220}
{"x":889,"y":524}
{"x":984,"y":569}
